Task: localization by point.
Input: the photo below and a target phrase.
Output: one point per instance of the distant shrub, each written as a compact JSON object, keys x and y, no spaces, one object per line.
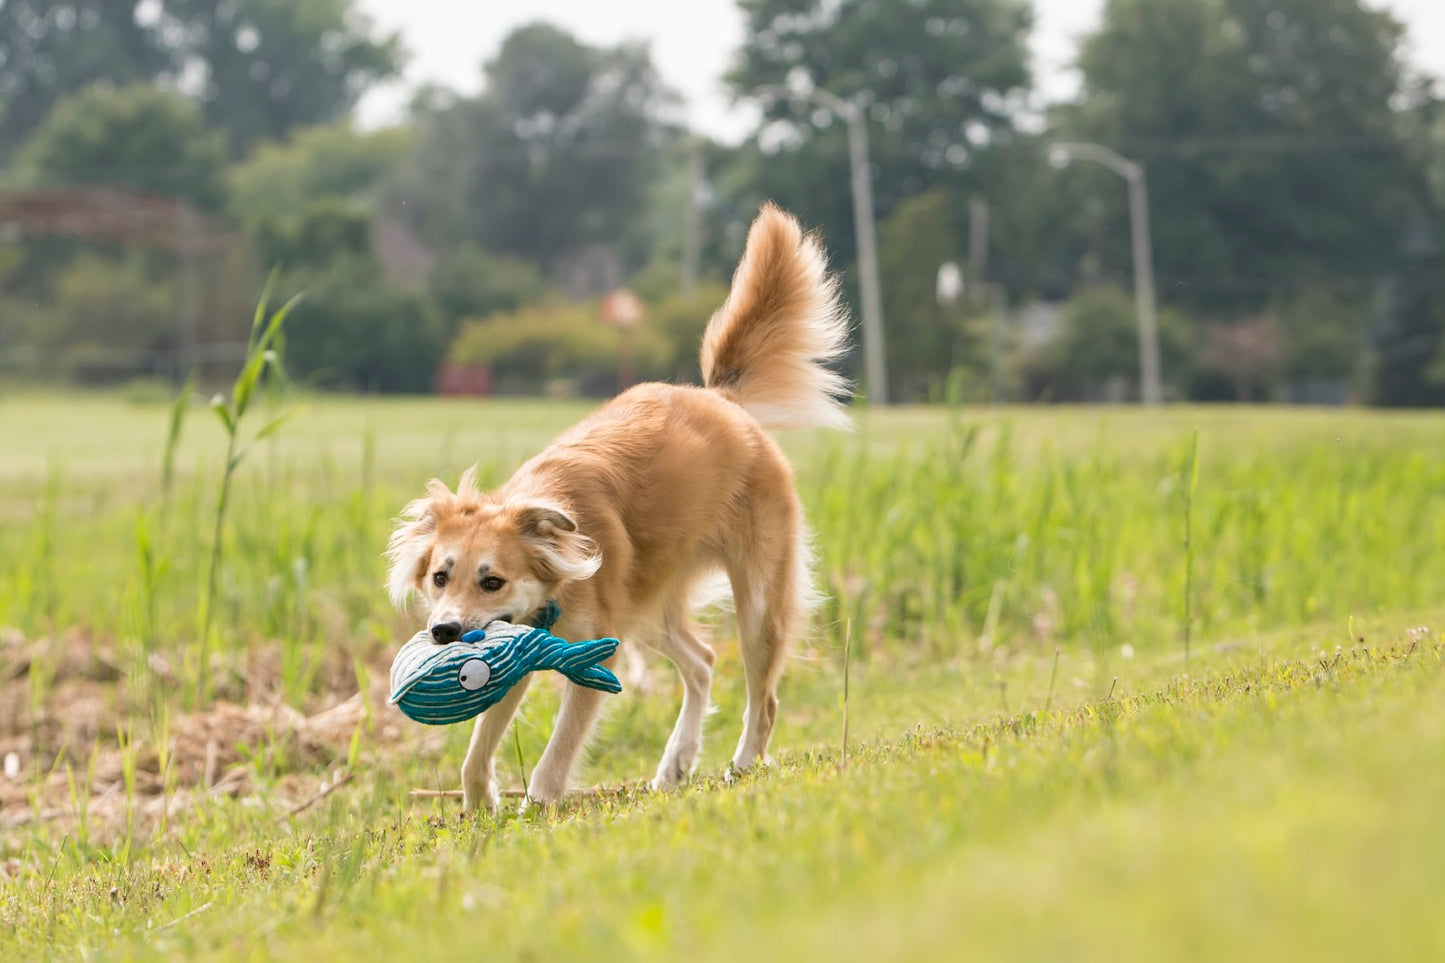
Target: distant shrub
{"x":555,"y":339}
{"x":355,"y":330}
{"x":1098,"y":349}
{"x":471,"y":283}
{"x":107,"y":319}
{"x":324,"y":230}
{"x":680,"y":320}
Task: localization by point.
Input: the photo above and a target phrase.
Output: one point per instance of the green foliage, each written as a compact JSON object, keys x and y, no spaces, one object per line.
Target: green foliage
{"x":325,"y":230}
{"x":1099,"y":342}
{"x":263,"y":357}
{"x":357,"y":331}
{"x":141,"y":137}
{"x":1324,"y":334}
{"x":106,"y":316}
{"x":271,"y":66}
{"x":927,"y":341}
{"x":279,"y":179}
{"x":1410,"y":338}
{"x":49,"y":51}
{"x":555,"y":155}
{"x":679,"y":320}
{"x":266,"y":66}
{"x":1271,"y":135}
{"x":552,"y":340}
{"x":468,"y":282}
{"x":939,"y":78}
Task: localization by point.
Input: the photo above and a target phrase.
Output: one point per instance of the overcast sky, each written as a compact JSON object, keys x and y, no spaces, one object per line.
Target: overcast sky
{"x":693,"y":43}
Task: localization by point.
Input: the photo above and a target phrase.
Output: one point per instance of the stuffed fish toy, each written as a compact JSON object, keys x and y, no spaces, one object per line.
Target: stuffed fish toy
{"x":438,"y":684}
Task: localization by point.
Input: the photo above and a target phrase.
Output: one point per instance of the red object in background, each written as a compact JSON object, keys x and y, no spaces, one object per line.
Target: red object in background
{"x":624,"y":311}
{"x":622,"y":308}
{"x":466,"y":380}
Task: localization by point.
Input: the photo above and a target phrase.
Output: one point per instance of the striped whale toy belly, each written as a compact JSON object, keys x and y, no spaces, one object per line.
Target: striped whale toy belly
{"x":439,"y":685}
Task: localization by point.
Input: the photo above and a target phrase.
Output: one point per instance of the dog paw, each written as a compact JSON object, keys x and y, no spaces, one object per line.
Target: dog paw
{"x":482,"y":797}
{"x":669,"y":777}
{"x":676,"y":767}
{"x":544,"y":792}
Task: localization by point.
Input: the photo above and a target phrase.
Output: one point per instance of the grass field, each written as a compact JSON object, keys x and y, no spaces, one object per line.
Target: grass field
{"x":1034,"y":767}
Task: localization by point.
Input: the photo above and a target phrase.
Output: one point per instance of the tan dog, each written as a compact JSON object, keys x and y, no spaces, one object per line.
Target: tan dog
{"x":625,"y":515}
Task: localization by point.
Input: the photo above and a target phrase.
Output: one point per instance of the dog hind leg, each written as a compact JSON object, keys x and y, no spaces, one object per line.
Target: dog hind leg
{"x":694,"y":661}
{"x":770,"y":590}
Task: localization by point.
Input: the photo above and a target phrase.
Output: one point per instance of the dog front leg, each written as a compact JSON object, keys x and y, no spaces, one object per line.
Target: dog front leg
{"x":580,"y":708}
{"x":479,"y":789}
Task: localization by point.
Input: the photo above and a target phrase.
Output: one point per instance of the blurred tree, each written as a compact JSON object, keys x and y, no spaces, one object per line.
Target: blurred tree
{"x":261,"y":68}
{"x":467,"y":282}
{"x":926,"y":341}
{"x":679,"y":320}
{"x":1097,"y":350}
{"x":50,"y":49}
{"x":1410,"y":341}
{"x":327,"y":229}
{"x":942,"y":81}
{"x":1247,"y":354}
{"x":355,"y":331}
{"x":556,"y":154}
{"x":141,"y":137}
{"x":280,"y":179}
{"x":553,"y":340}
{"x":1324,"y":334}
{"x":108,"y":319}
{"x":1271,"y":136}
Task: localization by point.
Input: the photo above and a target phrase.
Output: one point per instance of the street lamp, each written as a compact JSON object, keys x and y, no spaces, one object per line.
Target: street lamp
{"x":875,"y":375}
{"x":1060,"y":155}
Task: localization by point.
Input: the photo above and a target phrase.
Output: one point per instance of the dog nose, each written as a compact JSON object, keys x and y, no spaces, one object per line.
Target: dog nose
{"x":444,"y":633}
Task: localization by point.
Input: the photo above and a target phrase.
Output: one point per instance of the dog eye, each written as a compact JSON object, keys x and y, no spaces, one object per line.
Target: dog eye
{"x":492,"y":584}
{"x":440,"y":579}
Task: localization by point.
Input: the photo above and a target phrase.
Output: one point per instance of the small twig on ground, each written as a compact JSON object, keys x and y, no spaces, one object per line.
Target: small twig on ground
{"x":325,"y":791}
{"x":522,"y":794}
{"x":185,"y":916}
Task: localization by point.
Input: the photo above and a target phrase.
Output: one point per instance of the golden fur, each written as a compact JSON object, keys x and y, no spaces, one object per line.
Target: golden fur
{"x":627,"y":513}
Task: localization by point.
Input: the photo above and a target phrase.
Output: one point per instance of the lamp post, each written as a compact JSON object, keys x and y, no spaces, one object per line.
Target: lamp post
{"x":875,"y":374}
{"x":1060,"y":155}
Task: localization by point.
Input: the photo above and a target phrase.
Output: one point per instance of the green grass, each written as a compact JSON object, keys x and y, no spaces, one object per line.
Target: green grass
{"x":1275,"y":797}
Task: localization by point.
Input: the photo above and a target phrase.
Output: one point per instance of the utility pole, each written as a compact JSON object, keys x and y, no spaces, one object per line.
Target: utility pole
{"x":875,"y":371}
{"x":1151,"y":389}
{"x":978,"y":239}
{"x":988,"y":294}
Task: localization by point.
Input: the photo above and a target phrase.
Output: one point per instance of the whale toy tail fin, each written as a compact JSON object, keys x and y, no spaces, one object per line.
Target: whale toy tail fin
{"x":579,"y":662}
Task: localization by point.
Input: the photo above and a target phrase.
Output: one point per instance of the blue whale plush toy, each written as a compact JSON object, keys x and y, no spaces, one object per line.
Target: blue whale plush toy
{"x":438,"y":684}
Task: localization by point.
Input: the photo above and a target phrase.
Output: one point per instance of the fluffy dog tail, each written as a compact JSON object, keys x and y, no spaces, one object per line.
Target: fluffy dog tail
{"x":769,"y":346}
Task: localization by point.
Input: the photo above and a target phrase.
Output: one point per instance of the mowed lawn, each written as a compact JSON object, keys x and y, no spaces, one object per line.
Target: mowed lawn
{"x":1033,"y":768}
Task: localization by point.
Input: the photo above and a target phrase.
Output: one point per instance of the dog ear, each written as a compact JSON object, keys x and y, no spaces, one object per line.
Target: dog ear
{"x":409,"y":550}
{"x":563,"y":553}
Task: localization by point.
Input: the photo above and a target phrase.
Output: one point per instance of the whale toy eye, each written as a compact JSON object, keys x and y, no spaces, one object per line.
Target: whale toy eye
{"x":474,"y":674}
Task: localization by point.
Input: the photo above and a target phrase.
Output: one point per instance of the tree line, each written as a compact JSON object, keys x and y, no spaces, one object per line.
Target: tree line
{"x":1295,"y":168}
